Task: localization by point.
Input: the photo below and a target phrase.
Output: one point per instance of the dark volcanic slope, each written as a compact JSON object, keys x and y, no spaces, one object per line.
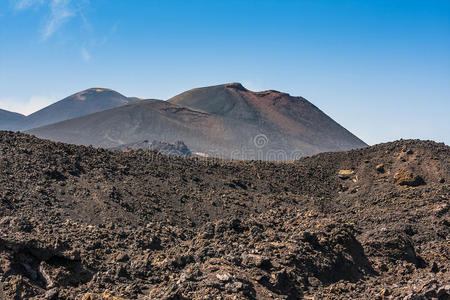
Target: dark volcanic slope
{"x":80,"y":104}
{"x":152,"y":120}
{"x":225,"y":121}
{"x":79,"y":222}
{"x":8,"y":120}
{"x":288,"y":121}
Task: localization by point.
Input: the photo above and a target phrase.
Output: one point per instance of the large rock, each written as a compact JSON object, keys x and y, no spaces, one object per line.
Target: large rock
{"x":408,"y":178}
{"x":345,"y":174}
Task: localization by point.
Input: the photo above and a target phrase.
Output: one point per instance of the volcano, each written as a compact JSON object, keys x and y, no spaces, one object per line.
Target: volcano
{"x":226,"y":121}
{"x":83,"y":103}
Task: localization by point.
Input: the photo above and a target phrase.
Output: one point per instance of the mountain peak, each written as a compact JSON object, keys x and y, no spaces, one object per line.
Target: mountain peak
{"x":97,"y":89}
{"x":79,"y":104}
{"x":236,"y":85}
{"x":81,"y":95}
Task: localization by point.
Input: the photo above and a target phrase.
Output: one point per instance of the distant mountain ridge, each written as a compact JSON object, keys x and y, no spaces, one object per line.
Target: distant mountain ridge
{"x":8,"y":119}
{"x":225,"y":121}
{"x":83,"y":103}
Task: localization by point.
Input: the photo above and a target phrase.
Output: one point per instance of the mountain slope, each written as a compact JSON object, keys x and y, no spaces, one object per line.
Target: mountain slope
{"x":277,"y":114}
{"x":83,"y":103}
{"x":225,"y":121}
{"x":144,"y":120}
{"x":8,"y":119}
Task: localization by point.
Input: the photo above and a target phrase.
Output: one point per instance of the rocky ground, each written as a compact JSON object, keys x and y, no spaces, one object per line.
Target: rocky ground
{"x":84,"y":223}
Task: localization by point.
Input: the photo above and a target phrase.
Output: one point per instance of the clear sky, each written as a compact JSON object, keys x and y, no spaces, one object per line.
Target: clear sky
{"x":380,"y":68}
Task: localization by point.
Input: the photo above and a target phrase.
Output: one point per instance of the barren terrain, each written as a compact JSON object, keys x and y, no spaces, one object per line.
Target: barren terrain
{"x":79,"y":222}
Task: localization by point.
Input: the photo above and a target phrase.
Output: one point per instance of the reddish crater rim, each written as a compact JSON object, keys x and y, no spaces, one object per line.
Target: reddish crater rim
{"x":271,"y":92}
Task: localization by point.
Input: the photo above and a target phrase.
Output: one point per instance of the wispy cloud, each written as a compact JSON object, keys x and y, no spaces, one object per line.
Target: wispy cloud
{"x":85,"y":54}
{"x":60,"y":13}
{"x":25,"y":4}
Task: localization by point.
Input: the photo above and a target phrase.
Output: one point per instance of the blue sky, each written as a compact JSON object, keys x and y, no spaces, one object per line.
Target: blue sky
{"x":381,"y":68}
